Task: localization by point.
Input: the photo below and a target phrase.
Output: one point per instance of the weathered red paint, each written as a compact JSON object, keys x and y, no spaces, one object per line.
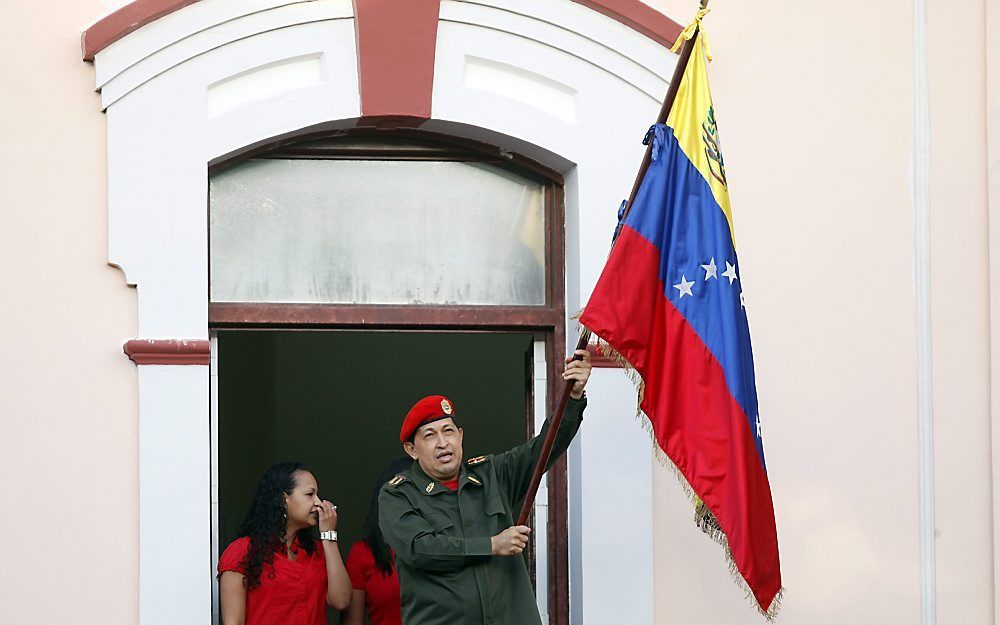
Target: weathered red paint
{"x":168,"y":351}
{"x":129,"y":18}
{"x":396,"y":43}
{"x":640,"y":17}
{"x":632,"y":13}
{"x":599,"y":360}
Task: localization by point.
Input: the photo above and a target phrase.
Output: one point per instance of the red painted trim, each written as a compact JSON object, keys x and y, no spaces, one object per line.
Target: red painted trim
{"x":640,"y":17}
{"x":632,"y":13}
{"x":396,"y":42}
{"x":372,"y":316}
{"x":599,"y":360}
{"x":125,"y":20}
{"x":167,"y":351}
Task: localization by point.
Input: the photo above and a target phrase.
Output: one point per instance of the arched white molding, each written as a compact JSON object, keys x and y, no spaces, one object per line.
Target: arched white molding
{"x":279,"y":66}
{"x":161,"y":128}
{"x":577,"y":84}
{"x":552,"y":80}
{"x":615,"y":77}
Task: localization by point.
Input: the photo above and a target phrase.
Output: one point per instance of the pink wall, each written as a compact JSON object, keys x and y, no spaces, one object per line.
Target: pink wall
{"x":993,"y":160}
{"x":68,"y":460}
{"x":816,"y":102}
{"x":960,"y":261}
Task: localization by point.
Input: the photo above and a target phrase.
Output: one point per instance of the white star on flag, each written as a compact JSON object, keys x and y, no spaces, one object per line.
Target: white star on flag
{"x":684,"y":287}
{"x":730,"y":272}
{"x":711,"y":271}
{"x":759,"y":433}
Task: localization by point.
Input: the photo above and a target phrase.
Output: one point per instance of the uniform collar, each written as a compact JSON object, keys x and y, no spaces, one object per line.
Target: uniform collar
{"x":430,"y":486}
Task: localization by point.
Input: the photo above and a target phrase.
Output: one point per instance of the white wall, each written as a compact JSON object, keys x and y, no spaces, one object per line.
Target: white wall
{"x":616,"y":506}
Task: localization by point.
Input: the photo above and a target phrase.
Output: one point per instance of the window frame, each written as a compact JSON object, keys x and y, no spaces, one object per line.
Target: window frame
{"x":547,"y":321}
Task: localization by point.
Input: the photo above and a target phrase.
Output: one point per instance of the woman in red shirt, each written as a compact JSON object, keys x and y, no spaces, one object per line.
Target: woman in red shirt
{"x":370,"y":565}
{"x":275,"y":573}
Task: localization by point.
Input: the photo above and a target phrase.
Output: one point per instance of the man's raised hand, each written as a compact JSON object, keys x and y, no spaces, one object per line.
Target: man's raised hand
{"x":511,"y":541}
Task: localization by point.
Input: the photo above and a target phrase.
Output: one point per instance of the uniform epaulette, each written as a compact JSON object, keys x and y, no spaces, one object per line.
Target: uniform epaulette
{"x":399,"y":479}
{"x":477,"y":460}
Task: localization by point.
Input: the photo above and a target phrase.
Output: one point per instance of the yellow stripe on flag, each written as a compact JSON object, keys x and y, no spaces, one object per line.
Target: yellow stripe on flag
{"x":692,"y":119}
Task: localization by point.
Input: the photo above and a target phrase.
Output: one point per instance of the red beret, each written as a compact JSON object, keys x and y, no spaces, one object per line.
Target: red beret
{"x":430,"y":408}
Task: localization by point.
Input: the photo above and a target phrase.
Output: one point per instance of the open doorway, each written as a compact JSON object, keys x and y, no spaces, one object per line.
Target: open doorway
{"x":335,"y":401}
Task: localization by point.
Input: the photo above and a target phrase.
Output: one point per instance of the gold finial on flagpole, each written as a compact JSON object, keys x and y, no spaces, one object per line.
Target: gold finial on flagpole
{"x":704,"y":4}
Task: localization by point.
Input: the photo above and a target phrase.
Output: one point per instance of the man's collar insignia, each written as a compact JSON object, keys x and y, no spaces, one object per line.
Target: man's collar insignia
{"x":397,"y":480}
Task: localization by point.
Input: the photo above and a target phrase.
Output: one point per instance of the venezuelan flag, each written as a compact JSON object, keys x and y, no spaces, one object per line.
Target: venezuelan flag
{"x":670,"y":304}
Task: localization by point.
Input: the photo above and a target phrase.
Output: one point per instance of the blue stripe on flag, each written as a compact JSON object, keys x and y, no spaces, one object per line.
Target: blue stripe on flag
{"x":676,"y":211}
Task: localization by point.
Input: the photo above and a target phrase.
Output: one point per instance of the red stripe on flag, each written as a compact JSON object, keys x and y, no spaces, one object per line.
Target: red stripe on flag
{"x":695,"y":418}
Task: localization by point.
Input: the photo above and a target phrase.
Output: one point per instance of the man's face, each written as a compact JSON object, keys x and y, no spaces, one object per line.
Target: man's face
{"x":437,"y":446}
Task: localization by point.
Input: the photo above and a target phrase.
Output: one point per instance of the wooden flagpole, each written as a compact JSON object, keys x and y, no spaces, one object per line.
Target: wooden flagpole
{"x":550,"y":436}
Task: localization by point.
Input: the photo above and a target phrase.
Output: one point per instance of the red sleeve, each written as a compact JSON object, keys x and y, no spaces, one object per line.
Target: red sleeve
{"x":360,"y":563}
{"x":234,"y":555}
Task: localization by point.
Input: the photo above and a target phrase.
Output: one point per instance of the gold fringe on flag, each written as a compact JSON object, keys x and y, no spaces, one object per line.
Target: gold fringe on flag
{"x":703,"y":517}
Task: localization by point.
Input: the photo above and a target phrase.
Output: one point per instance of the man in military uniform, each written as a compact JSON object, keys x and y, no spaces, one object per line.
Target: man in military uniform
{"x":451,"y":524}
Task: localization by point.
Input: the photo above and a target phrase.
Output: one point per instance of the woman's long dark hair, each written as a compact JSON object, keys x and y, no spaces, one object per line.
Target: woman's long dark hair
{"x":376,"y":542}
{"x":267,"y":521}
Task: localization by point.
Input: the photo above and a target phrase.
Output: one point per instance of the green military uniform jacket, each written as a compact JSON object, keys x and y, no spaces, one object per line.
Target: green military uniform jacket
{"x":447,"y":573}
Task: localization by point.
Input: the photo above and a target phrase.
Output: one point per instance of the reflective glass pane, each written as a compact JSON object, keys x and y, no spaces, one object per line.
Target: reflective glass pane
{"x":376,"y":232}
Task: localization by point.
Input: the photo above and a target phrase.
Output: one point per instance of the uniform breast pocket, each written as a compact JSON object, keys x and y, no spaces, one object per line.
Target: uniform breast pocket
{"x":438,"y":521}
{"x":495,"y":509}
